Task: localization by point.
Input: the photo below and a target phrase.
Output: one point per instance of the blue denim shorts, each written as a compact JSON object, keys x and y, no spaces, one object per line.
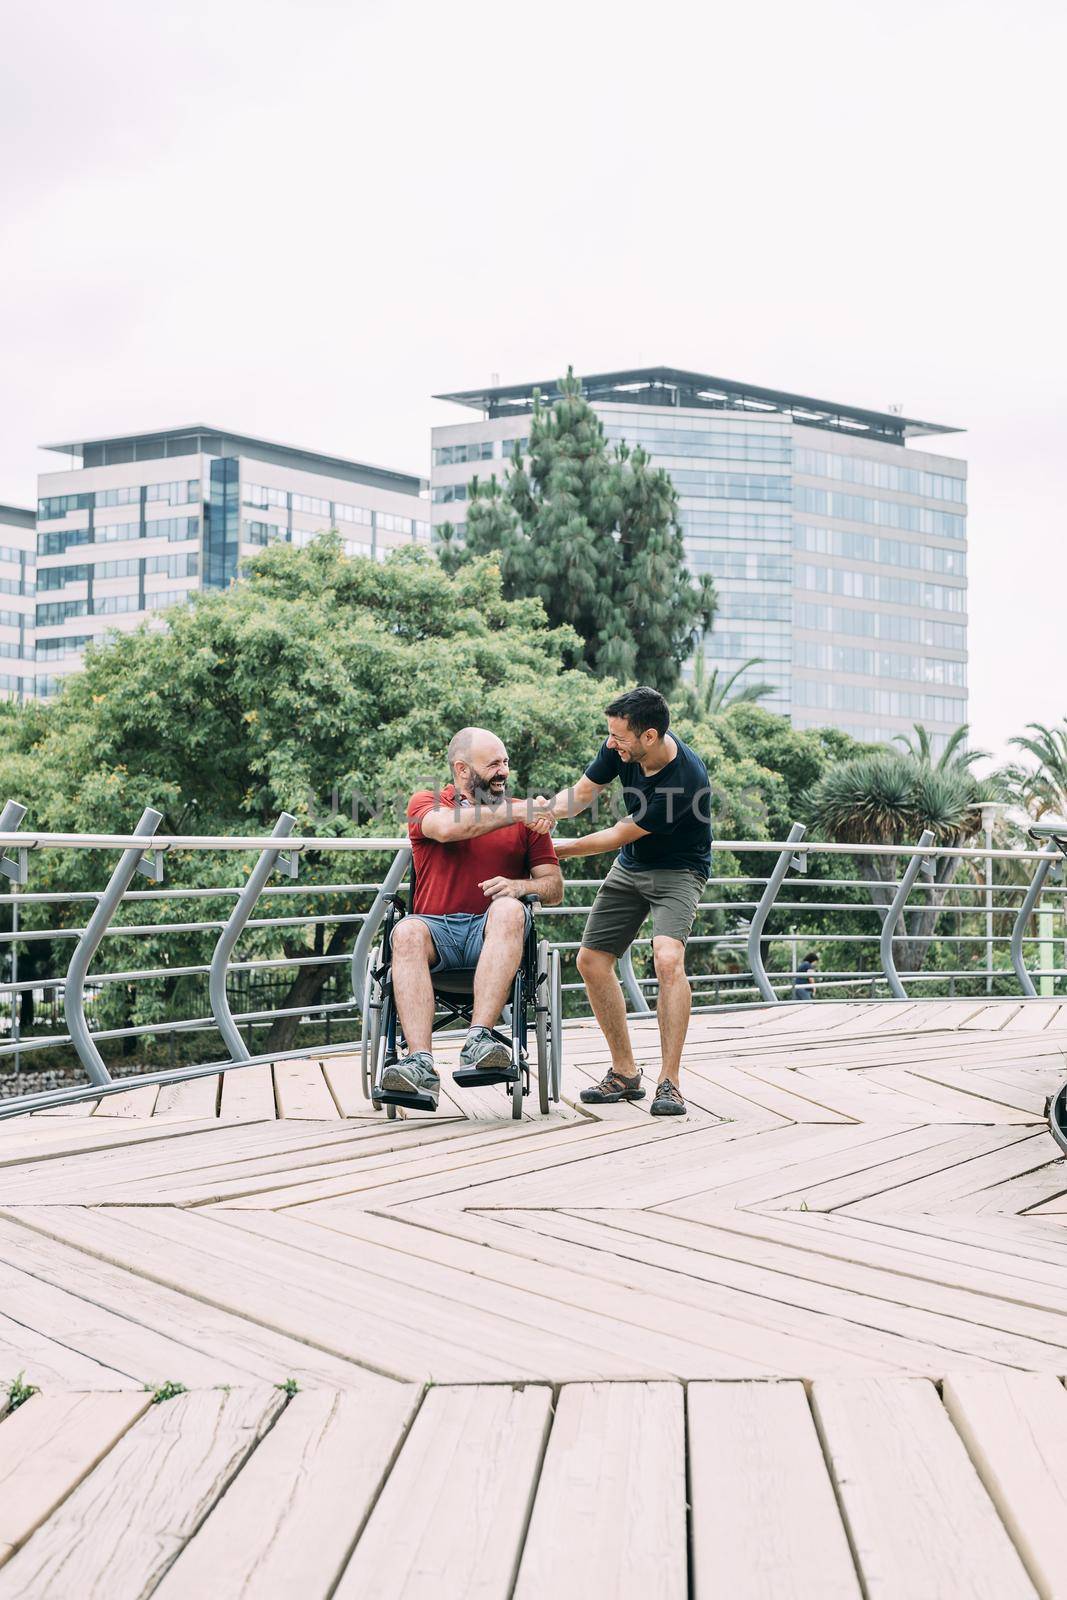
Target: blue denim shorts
{"x":458,"y":938}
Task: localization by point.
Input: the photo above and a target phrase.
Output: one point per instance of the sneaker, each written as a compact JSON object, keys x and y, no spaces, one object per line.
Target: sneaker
{"x":413,"y":1074}
{"x":613,"y":1087}
{"x":667,"y":1101}
{"x":483,"y":1053}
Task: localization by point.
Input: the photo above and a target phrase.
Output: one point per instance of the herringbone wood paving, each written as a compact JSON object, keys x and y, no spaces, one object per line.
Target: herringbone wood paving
{"x":808,"y":1340}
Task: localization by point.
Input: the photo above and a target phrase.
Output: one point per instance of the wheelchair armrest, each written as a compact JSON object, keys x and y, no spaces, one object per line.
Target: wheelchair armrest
{"x":532,"y":900}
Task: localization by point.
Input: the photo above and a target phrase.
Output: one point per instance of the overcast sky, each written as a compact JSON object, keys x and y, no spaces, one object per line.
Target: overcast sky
{"x":302,"y":218}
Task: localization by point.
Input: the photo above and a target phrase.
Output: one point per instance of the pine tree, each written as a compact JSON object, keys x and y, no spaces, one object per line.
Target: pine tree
{"x":593,"y":533}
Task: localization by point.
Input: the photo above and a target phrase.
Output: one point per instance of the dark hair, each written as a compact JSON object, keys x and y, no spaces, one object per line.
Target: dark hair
{"x":812,"y":955}
{"x":643,"y":708}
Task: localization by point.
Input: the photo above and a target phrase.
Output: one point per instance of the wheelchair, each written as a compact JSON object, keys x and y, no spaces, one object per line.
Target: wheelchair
{"x":1055,"y":1104}
{"x":536,"y":986}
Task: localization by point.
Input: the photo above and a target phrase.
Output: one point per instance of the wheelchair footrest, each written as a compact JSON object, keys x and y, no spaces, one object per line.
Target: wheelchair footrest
{"x":471,"y":1078}
{"x":412,"y":1102}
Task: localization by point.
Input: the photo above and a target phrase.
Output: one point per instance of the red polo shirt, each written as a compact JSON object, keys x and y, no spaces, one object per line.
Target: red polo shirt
{"x":447,"y":875}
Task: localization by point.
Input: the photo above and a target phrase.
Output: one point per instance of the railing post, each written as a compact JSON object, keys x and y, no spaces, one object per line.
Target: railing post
{"x":1037,"y":883}
{"x":373,"y":920}
{"x":628,"y":979}
{"x":762,"y":911}
{"x":235,"y":926}
{"x":917,"y":864}
{"x":85,"y":949}
{"x":10,"y":820}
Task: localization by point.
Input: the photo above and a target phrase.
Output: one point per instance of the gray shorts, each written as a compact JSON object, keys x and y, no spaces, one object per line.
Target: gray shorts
{"x":458,"y":938}
{"x":625,"y":898}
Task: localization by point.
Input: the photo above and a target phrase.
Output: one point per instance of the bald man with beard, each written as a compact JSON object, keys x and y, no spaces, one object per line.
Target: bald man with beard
{"x":475,"y":852}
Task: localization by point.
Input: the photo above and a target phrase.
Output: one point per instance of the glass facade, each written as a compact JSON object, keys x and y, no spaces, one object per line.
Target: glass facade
{"x":222,"y":524}
{"x":859,"y":576}
{"x":735,"y":492}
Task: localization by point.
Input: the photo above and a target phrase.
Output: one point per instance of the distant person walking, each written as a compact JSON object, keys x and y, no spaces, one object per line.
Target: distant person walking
{"x":804,"y":982}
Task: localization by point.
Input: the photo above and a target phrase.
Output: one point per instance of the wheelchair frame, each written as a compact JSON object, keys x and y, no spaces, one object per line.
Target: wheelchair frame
{"x":537,"y":982}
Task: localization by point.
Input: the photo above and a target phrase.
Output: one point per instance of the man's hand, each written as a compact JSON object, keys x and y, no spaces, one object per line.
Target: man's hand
{"x":504,"y":888}
{"x":538,"y":813}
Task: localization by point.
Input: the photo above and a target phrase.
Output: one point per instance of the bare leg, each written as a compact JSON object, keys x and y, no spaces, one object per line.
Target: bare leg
{"x":499,"y":961}
{"x":597,"y":968}
{"x":674,"y":1004}
{"x":413,"y":955}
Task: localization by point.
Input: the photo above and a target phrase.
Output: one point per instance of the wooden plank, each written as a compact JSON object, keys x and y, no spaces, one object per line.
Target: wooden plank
{"x":561,"y":1303}
{"x":94,"y":1307}
{"x":301,"y":1091}
{"x":920,"y":1522}
{"x":751,"y":1333}
{"x":47,"y":1447}
{"x":288,"y":1522}
{"x":344,"y":1080}
{"x":993,"y":1016}
{"x":451,"y":1517}
{"x":1033,"y":1016}
{"x":52,"y":1361}
{"x":901,"y":1250}
{"x":248,"y":1092}
{"x":1015,"y":1430}
{"x":119,"y":1531}
{"x":133,"y":1103}
{"x":76,"y":1108}
{"x":609,"y":1516}
{"x":196,"y":1097}
{"x":764,"y":1520}
{"x":398,"y":1333}
{"x":801,"y":1288}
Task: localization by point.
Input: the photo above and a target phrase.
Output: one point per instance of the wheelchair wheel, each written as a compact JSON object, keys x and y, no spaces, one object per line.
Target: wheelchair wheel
{"x":548,"y":1015}
{"x":371,"y":1029}
{"x":555,"y":1021}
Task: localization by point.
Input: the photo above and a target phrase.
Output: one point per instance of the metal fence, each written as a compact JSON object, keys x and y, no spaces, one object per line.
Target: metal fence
{"x":748,"y":957}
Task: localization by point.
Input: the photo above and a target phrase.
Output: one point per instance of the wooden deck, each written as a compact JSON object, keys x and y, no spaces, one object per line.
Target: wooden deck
{"x":809,"y":1341}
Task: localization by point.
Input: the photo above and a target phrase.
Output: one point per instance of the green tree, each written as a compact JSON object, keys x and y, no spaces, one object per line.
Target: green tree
{"x":891,"y":798}
{"x":954,"y":756}
{"x":713,"y":692}
{"x":592,"y":533}
{"x":1041,"y":789}
{"x":315,"y":675}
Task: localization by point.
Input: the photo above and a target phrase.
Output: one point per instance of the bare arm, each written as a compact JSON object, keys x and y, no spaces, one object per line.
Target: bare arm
{"x":451,"y":824}
{"x":545,"y":881}
{"x":595,"y":844}
{"x":578,"y":798}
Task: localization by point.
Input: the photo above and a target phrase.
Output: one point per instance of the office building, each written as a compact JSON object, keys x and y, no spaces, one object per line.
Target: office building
{"x":18,"y":556}
{"x":838,"y":549}
{"x":139,"y":522}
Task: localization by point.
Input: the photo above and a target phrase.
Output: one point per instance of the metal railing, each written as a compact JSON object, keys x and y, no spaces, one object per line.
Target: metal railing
{"x":749,"y":939}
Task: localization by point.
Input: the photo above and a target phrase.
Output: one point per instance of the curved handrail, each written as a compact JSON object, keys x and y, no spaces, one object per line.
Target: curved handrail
{"x":85,"y":949}
{"x":373,"y":920}
{"x":762,"y":912}
{"x":235,"y":924}
{"x":893,"y":915}
{"x":1037,"y":883}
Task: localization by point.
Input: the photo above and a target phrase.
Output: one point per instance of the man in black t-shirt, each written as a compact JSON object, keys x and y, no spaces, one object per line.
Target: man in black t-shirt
{"x":664,"y":860}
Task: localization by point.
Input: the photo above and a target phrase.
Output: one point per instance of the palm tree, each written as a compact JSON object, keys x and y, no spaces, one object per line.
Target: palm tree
{"x":953,"y":757}
{"x":890,"y":798}
{"x":1041,"y":790}
{"x":710,"y":695}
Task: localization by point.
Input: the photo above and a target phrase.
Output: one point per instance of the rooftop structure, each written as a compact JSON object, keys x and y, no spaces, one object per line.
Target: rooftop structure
{"x":672,"y":386}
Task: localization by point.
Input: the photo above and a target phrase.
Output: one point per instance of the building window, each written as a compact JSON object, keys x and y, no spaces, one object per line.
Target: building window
{"x":880,"y":475}
{"x":61,"y":505}
{"x":175,"y":494}
{"x":256,"y":494}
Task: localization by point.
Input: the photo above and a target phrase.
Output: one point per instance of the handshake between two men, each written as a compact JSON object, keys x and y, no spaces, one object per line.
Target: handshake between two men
{"x":472,"y":842}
